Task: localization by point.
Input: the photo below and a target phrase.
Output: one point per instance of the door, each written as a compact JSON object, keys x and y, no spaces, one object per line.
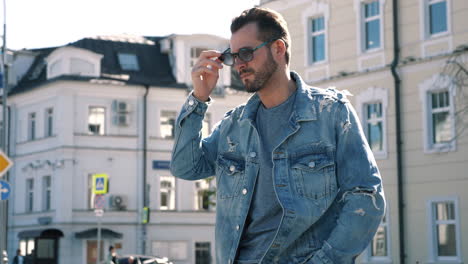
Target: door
{"x":46,"y":251}
{"x":91,"y":251}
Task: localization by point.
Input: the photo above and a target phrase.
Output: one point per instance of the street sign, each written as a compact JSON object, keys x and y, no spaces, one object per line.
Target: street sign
{"x":146,"y":215}
{"x":5,"y":163}
{"x":100,"y":183}
{"x":5,"y":190}
{"x":99,"y":201}
{"x":99,"y":212}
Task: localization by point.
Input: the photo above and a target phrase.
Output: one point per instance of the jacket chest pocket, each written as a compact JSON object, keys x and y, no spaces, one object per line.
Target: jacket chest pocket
{"x":314,"y":176}
{"x":231,"y":171}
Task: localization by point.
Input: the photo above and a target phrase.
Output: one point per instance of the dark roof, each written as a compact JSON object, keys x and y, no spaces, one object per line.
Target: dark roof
{"x":154,"y":66}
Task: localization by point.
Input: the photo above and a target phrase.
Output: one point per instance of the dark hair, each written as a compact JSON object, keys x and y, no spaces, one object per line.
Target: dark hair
{"x":111,"y":248}
{"x":271,"y":25}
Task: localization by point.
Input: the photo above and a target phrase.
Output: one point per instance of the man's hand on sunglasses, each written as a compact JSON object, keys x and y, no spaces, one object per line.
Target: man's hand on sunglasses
{"x":205,"y":74}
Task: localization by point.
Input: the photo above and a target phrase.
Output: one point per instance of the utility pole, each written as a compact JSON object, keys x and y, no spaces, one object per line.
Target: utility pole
{"x":3,"y":139}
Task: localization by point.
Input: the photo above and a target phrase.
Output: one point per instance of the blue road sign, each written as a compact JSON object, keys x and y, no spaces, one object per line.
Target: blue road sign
{"x":5,"y":190}
{"x":100,"y":183}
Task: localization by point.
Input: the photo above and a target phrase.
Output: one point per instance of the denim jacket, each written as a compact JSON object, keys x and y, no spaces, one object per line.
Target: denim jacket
{"x":324,"y":173}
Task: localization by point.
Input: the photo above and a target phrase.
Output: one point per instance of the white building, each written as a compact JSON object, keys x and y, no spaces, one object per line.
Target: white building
{"x":108,"y":105}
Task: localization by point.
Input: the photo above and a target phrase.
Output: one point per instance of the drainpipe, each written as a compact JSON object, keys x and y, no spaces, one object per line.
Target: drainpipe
{"x":145,"y":154}
{"x":399,"y":142}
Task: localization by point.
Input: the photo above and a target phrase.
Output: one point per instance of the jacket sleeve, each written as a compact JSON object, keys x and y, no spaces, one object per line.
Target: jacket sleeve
{"x":192,"y":157}
{"x":360,"y":197}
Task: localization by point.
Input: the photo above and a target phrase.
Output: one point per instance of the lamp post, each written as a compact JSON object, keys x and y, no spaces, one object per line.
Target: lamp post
{"x":3,"y":139}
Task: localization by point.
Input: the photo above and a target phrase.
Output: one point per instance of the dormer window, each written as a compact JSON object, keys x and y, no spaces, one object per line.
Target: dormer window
{"x":128,"y":62}
{"x":73,"y":61}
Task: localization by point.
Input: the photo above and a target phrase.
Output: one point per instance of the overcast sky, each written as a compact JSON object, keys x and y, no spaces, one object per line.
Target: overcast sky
{"x":48,"y":23}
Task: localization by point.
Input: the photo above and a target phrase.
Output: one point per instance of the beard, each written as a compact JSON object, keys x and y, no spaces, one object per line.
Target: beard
{"x":261,"y":77}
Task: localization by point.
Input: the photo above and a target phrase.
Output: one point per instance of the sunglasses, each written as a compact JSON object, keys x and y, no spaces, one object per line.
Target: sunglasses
{"x":244,"y":54}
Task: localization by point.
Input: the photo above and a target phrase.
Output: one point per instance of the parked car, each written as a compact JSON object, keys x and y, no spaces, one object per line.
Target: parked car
{"x":140,"y":259}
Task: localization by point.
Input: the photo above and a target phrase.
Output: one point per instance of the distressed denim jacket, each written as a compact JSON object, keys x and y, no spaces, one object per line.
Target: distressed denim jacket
{"x":324,"y":173}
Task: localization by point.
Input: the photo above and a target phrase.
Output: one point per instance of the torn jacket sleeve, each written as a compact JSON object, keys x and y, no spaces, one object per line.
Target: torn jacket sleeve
{"x":360,"y":198}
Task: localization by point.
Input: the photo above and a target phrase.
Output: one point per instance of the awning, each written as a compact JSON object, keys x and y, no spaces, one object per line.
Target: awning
{"x":48,"y":233}
{"x":92,"y":233}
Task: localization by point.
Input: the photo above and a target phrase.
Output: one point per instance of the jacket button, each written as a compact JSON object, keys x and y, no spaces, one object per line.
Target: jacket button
{"x":253,"y":154}
{"x":191,"y":102}
{"x":229,"y":261}
{"x":232,"y":168}
{"x":237,"y":227}
{"x":312,"y":164}
{"x":244,"y":191}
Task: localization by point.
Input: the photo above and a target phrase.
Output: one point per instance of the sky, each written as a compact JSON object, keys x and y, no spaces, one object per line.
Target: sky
{"x":48,"y":23}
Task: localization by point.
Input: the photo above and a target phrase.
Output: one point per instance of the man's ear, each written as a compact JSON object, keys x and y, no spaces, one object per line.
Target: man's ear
{"x":279,"y":49}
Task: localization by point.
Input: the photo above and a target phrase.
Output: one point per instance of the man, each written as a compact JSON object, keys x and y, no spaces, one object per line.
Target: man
{"x":112,"y":256}
{"x":296,"y":179}
{"x":18,"y":259}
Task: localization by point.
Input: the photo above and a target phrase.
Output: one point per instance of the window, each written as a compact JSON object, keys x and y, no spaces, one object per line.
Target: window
{"x":128,"y":62}
{"x":436,"y":17}
{"x":81,"y":67}
{"x":49,"y":122}
{"x":47,"y":193}
{"x":203,"y":194}
{"x":174,"y":250}
{"x":439,"y":114}
{"x":316,"y":40}
{"x":91,"y":194}
{"x":32,"y":126}
{"x":96,"y":120}
{"x":167,"y":193}
{"x":445,"y":230}
{"x":168,"y":124}
{"x":371,"y":21}
{"x":27,"y":246}
{"x":206,"y":125}
{"x":120,"y":113}
{"x":194,"y":54}
{"x":202,"y":253}
{"x":374,"y":126}
{"x":372,"y":110}
{"x":29,"y":195}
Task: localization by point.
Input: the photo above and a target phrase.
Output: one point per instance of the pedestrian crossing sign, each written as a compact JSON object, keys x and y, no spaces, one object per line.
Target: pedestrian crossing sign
{"x":100,"y":183}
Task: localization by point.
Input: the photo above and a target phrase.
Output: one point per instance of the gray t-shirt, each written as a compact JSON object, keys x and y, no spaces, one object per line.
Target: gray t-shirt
{"x":265,"y":211}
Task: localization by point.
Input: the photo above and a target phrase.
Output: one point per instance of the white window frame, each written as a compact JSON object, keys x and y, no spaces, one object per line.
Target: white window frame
{"x":47,"y":193}
{"x":437,"y":83}
{"x":49,"y":122}
{"x":206,"y":125}
{"x":200,"y":186}
{"x":167,"y":248}
{"x":367,"y":257}
{"x":425,"y":19}
{"x":200,"y":248}
{"x":431,"y":230}
{"x":171,"y":192}
{"x":102,"y":131}
{"x":373,"y":95}
{"x":361,"y":30}
{"x":90,"y":196}
{"x":29,"y":195}
{"x":315,"y":10}
{"x":195,"y":52}
{"x":167,"y":114}
{"x":310,"y":35}
{"x":32,"y":126}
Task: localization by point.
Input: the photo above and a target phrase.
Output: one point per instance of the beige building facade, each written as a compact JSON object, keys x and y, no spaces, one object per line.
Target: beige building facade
{"x":352,"y":45}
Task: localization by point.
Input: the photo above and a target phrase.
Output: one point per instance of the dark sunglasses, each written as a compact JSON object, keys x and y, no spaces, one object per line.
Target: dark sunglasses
{"x":244,"y":54}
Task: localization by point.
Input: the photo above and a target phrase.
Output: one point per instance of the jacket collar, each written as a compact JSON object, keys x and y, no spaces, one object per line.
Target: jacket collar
{"x":304,"y":108}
